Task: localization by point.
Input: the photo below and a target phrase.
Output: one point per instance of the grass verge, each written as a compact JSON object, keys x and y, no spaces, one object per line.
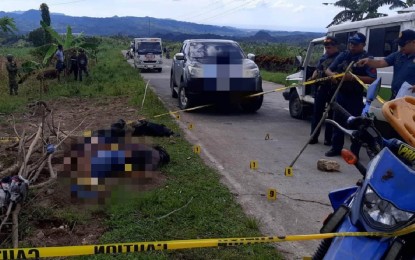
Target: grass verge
{"x":212,"y":212}
{"x":276,"y":77}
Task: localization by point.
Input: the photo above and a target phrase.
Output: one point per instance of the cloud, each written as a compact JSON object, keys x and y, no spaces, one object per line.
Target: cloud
{"x":298,"y":9}
{"x":281,"y":4}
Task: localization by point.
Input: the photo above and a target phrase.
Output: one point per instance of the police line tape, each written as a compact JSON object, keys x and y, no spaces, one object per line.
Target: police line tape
{"x":118,"y":248}
{"x":277,"y":90}
{"x":254,"y":95}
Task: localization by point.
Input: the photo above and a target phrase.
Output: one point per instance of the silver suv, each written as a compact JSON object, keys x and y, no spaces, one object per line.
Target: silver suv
{"x":217,"y":70}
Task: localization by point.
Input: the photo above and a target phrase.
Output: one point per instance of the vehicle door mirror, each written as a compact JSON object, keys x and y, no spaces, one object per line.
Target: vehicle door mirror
{"x":179,"y":56}
{"x":251,"y":56}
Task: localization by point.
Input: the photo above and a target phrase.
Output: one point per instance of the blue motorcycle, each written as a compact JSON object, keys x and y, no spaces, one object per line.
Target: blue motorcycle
{"x":382,"y":201}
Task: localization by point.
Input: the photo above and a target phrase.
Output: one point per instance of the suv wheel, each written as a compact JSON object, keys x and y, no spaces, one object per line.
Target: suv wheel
{"x":185,"y":101}
{"x":172,"y":86}
{"x":253,"y":104}
{"x":296,"y":107}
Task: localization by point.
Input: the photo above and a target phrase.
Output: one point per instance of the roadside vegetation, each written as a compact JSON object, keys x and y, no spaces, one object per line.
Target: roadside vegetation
{"x":132,"y":217}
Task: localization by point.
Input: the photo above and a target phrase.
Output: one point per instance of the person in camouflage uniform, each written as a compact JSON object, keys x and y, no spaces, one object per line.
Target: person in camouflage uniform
{"x":325,"y":90}
{"x":11,"y":67}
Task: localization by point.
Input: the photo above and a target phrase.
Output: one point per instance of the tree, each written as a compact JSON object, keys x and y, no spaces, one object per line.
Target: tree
{"x":37,"y":37}
{"x":7,"y":24}
{"x":44,"y":9}
{"x":355,"y":10}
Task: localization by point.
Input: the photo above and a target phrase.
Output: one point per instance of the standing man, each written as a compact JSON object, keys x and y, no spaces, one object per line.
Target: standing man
{"x":11,"y":67}
{"x":74,"y":64}
{"x":325,"y":90}
{"x":82,"y":63}
{"x":59,"y":61}
{"x":350,"y":95}
{"x":403,"y":62}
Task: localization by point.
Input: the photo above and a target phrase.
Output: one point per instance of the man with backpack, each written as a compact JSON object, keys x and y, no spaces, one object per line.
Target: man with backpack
{"x":82,"y":63}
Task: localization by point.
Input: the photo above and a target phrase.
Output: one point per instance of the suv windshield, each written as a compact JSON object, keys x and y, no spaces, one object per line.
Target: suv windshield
{"x":146,"y":47}
{"x":203,"y":50}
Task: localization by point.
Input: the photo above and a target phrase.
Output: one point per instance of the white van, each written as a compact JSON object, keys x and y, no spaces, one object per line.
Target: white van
{"x":148,"y":53}
{"x":381,"y":34}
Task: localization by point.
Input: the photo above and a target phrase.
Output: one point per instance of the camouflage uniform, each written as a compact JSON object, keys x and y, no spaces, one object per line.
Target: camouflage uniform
{"x":11,"y":67}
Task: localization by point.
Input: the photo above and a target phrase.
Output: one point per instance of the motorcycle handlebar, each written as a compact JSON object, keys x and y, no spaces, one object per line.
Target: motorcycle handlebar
{"x":341,"y":110}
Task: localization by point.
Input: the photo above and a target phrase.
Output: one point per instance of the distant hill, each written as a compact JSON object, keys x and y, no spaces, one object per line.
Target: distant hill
{"x":149,"y":26}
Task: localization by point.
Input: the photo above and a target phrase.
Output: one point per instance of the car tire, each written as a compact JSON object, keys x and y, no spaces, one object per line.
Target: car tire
{"x":160,"y":69}
{"x":296,"y":107}
{"x":185,"y":101}
{"x":253,"y":104}
{"x":172,"y":86}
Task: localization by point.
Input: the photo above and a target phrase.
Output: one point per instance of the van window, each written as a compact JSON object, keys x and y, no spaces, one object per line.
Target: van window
{"x":343,"y":38}
{"x":382,"y":41}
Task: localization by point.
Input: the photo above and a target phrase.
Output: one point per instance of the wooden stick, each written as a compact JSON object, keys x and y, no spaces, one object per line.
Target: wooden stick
{"x":15,"y":228}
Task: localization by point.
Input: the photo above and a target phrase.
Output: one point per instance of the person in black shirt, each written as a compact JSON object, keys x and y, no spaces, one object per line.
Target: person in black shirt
{"x":325,"y":90}
{"x":350,"y":95}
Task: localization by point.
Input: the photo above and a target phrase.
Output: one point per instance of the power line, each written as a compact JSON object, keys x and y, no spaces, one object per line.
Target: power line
{"x":203,"y":11}
{"x":228,"y":11}
{"x":64,"y":3}
{"x":197,"y":13}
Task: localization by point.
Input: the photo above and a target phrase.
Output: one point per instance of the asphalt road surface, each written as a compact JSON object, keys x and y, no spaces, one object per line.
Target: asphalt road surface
{"x":230,"y":140}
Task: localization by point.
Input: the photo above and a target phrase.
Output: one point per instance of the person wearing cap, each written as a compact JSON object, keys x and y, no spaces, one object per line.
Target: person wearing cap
{"x":324,"y":91}
{"x":11,"y":67}
{"x":350,"y":95}
{"x":403,"y":62}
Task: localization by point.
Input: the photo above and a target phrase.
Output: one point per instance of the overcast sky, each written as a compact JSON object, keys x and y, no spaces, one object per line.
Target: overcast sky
{"x":290,"y":15}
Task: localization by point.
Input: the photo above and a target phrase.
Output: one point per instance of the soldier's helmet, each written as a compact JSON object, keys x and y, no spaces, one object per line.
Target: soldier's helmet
{"x":9,"y":57}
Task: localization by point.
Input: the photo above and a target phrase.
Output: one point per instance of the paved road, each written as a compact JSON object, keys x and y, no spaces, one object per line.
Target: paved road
{"x":231,"y":140}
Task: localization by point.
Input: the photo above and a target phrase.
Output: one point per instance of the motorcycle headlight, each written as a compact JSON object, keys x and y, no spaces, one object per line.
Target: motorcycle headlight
{"x":251,"y":71}
{"x":382,"y":214}
{"x":195,"y":71}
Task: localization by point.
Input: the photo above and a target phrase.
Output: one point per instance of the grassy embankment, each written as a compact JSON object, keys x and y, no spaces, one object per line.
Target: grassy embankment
{"x":212,"y":212}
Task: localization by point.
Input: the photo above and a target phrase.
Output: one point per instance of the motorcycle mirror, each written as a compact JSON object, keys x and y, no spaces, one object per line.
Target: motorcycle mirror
{"x":373,"y":89}
{"x":349,"y":157}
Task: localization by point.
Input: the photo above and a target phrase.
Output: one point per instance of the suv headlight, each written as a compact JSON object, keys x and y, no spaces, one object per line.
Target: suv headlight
{"x":382,"y":214}
{"x":195,"y":71}
{"x":251,"y":71}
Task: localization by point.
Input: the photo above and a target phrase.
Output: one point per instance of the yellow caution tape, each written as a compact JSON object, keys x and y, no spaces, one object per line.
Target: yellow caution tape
{"x":178,"y":111}
{"x":381,"y":100}
{"x":9,"y":139}
{"x":64,"y":251}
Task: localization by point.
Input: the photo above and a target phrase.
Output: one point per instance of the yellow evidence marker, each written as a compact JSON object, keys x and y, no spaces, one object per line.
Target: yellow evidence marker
{"x":272,"y":194}
{"x":253,"y":165}
{"x":197,"y":149}
{"x":289,"y":171}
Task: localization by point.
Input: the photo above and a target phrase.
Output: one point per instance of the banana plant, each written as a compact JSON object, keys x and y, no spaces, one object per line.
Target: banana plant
{"x":68,"y":41}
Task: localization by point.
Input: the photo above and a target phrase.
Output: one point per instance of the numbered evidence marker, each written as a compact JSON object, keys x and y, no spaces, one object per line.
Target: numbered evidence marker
{"x":190,"y":126}
{"x":289,"y":171}
{"x":177,"y":116}
{"x":272,"y":194}
{"x":253,"y":165}
{"x":197,"y":149}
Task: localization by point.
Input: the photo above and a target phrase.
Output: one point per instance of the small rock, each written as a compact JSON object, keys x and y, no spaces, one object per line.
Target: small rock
{"x":328,"y":165}
{"x":61,"y":227}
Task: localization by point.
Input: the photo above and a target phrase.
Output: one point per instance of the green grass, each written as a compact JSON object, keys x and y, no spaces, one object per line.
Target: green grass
{"x":276,"y":77}
{"x":385,"y":93}
{"x":212,"y":213}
